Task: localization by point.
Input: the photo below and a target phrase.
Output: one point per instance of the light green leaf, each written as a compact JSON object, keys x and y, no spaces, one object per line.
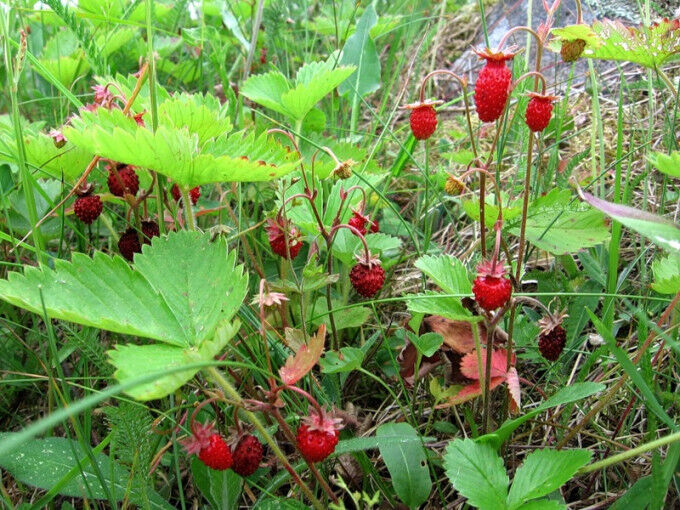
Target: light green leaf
{"x":267,"y":89}
{"x":667,"y":274}
{"x":477,"y":472}
{"x":348,"y":359}
{"x":544,"y":471}
{"x":202,"y":115}
{"x":447,"y":272}
{"x":177,"y":153}
{"x":433,"y":303}
{"x":44,"y":463}
{"x":130,"y":360}
{"x":359,"y":51}
{"x":543,"y":504}
{"x":347,"y":318}
{"x":655,"y":228}
{"x":427,"y":344}
{"x":406,"y":463}
{"x":346,"y":245}
{"x":669,"y":164}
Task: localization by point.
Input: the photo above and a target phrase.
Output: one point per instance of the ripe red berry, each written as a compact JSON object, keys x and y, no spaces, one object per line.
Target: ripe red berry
{"x":570,"y":51}
{"x":277,"y":230}
{"x":211,"y":448}
{"x":194,"y":193}
{"x":539,"y":111}
{"x":492,"y":289}
{"x":129,"y":244}
{"x":423,"y":121}
{"x":316,"y":445}
{"x":247,"y":455}
{"x":367,"y":278}
{"x":123,"y":179}
{"x":88,"y":208}
{"x":375,"y":227}
{"x":358,"y":221}
{"x":150,"y":229}
{"x":493,"y":85}
{"x":217,"y":454}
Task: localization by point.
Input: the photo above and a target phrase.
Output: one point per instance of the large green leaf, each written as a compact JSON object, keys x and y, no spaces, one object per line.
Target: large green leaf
{"x":447,"y":272}
{"x":612,"y":40}
{"x":177,"y":152}
{"x":669,"y":164}
{"x":53,"y":461}
{"x":313,"y":81}
{"x":131,"y":360}
{"x":544,"y":471}
{"x":477,"y":472}
{"x":659,"y":230}
{"x":202,"y":115}
{"x":433,"y":303}
{"x":407,"y":464}
{"x":183,"y":286}
{"x":667,"y":274}
{"x":359,"y":51}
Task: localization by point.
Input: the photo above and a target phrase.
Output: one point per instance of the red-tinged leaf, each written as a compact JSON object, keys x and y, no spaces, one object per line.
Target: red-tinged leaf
{"x":305,"y":358}
{"x":470,"y":368}
{"x":470,"y":391}
{"x":513,"y":388}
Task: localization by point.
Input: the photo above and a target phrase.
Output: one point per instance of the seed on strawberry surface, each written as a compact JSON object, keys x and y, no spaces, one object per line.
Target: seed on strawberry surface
{"x":247,"y":455}
{"x":493,"y":85}
{"x":492,"y":289}
{"x":423,"y":121}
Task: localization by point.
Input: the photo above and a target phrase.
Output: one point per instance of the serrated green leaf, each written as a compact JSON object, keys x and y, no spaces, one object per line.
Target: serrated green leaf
{"x":176,"y":152}
{"x":447,"y":272}
{"x":433,"y":303}
{"x":200,"y":114}
{"x":427,"y":344}
{"x":406,"y":463}
{"x":477,"y":472}
{"x":44,"y":463}
{"x":667,"y":274}
{"x":267,"y":89}
{"x":544,"y":471}
{"x":130,"y":360}
{"x":346,"y":245}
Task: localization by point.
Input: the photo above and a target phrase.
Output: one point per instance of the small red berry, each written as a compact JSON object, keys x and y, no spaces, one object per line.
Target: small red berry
{"x":150,"y":229}
{"x":493,"y":85}
{"x":88,"y":208}
{"x":539,"y":111}
{"x":318,"y":436}
{"x":552,"y":337}
{"x":217,"y":454}
{"x":492,"y":289}
{"x":276,"y":233}
{"x":123,"y":179}
{"x":194,"y":193}
{"x":247,"y":455}
{"x":211,"y":448}
{"x":367,"y":278}
{"x":358,"y":221}
{"x":423,"y":120}
{"x":375,"y":227}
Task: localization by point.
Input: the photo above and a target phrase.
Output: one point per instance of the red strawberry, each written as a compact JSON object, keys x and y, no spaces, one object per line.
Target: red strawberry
{"x":211,"y":448}
{"x":552,"y":336}
{"x":367,"y":277}
{"x":423,"y":120}
{"x":360,"y":222}
{"x":318,"y":436}
{"x":493,"y":85}
{"x":247,"y":455}
{"x":539,"y":111}
{"x":570,"y":51}
{"x":150,"y":229}
{"x":122,"y":179}
{"x":492,"y":289}
{"x":194,"y":193}
{"x":277,"y":231}
{"x":375,"y":227}
{"x":129,"y":244}
{"x":88,"y":208}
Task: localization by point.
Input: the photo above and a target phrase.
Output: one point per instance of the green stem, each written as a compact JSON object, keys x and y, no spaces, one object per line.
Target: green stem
{"x":231,"y":392}
{"x":633,"y":452}
{"x":188,"y":211}
{"x":669,"y":83}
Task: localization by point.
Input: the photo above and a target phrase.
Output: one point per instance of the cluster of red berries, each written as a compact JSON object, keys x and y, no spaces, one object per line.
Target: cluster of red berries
{"x":129,"y":242}
{"x":216,"y":453}
{"x":194,"y":194}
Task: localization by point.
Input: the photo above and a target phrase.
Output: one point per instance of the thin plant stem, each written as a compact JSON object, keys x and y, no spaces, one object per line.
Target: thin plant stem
{"x":487,"y":378}
{"x":188,"y":211}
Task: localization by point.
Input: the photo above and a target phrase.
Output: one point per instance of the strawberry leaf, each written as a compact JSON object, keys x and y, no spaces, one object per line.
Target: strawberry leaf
{"x":668,"y":164}
{"x":667,"y":274}
{"x":298,"y":365}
